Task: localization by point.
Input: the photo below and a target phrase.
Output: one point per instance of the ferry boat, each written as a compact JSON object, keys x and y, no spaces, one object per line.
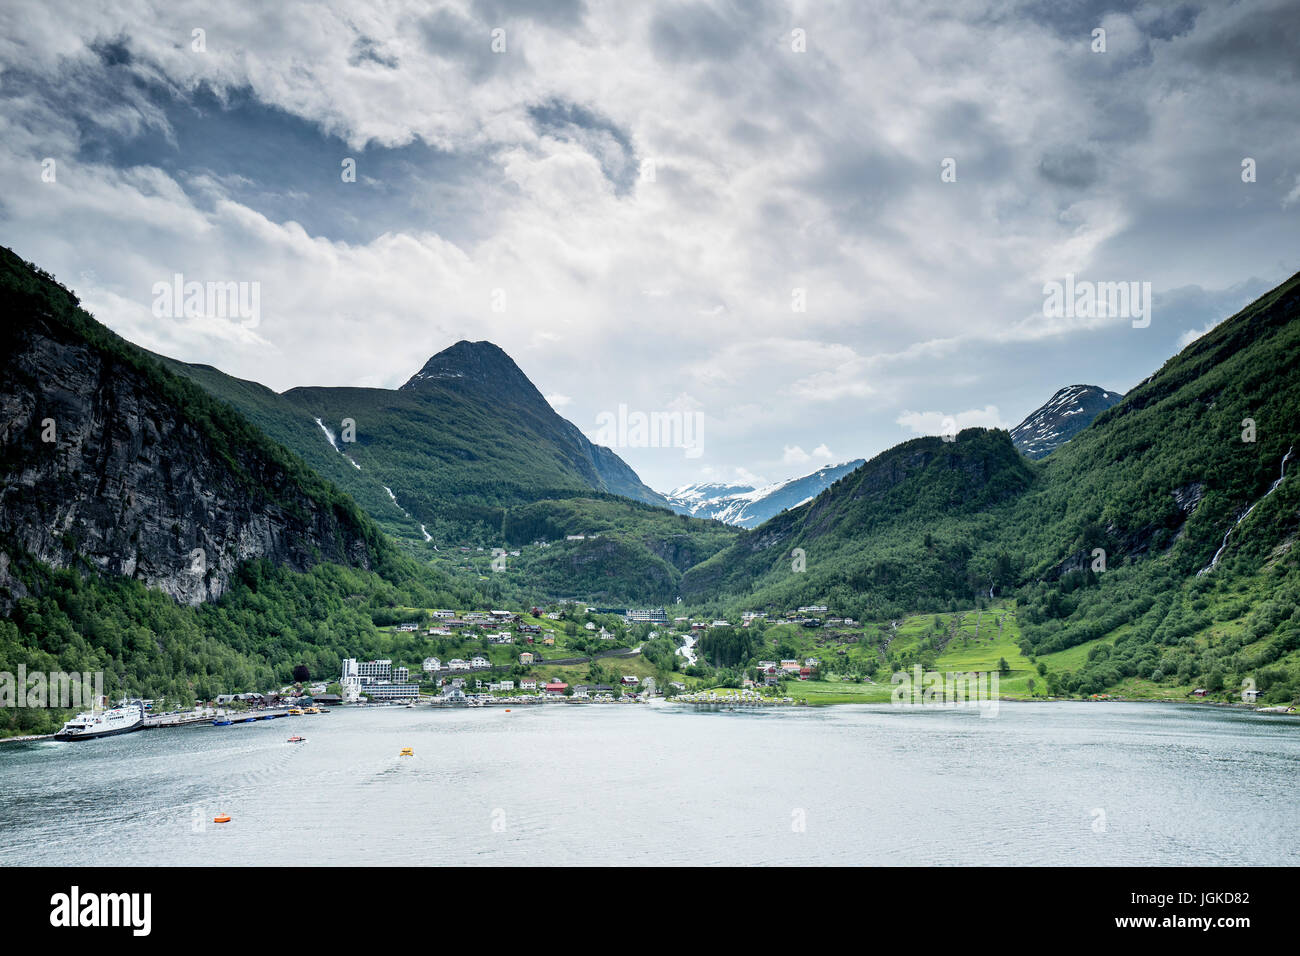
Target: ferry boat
{"x":126,"y":717}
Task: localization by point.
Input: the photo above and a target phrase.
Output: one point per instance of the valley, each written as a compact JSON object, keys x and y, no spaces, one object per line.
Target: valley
{"x":1137,"y":546}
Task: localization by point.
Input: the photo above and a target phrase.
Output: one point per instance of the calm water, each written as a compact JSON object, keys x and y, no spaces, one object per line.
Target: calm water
{"x":1109,"y":784}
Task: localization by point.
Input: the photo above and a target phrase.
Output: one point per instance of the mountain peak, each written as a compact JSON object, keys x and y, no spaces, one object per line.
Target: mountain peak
{"x":475,"y":364}
{"x":1069,"y":411}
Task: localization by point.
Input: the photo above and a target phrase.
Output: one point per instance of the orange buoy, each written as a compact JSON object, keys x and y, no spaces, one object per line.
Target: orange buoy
{"x":507,"y":710}
{"x":221,"y":818}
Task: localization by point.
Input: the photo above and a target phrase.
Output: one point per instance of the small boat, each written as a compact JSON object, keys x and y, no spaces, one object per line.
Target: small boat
{"x":295,"y":739}
{"x":295,"y":711}
{"x":407,"y":752}
{"x":311,"y":710}
{"x":222,"y":722}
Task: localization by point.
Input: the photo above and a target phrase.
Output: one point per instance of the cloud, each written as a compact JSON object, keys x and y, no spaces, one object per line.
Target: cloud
{"x":940,"y":423}
{"x":795,"y":257}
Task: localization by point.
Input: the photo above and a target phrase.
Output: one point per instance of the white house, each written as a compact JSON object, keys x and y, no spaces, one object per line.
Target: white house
{"x":479,"y":662}
{"x":456,"y":664}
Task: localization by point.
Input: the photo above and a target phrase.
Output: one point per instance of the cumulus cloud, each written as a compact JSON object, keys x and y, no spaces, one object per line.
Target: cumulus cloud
{"x":940,"y":423}
{"x":641,"y":202}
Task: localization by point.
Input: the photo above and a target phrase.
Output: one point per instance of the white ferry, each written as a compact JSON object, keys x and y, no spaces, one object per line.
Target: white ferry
{"x":126,"y":717}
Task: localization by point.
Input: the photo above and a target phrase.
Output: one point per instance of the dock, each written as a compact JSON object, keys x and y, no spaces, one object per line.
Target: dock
{"x":188,"y":719}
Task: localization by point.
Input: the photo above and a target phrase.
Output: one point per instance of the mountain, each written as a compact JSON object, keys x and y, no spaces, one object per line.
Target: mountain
{"x":468,"y":452}
{"x":748,"y":507}
{"x":107,"y":459}
{"x":1152,"y":554}
{"x":867,"y":544}
{"x":1065,"y":414}
{"x":444,"y":457}
{"x":482,"y":371}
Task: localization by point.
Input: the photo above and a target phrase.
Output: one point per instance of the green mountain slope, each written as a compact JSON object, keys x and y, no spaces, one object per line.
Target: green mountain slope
{"x":466,"y":439}
{"x":468,"y":452}
{"x":150,"y":534}
{"x":1109,"y":544}
{"x":902,"y":532}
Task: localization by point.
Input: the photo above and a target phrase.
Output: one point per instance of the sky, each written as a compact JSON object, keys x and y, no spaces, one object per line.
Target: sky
{"x":820,"y":229}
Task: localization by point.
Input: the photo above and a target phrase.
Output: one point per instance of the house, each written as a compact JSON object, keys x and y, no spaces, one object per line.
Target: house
{"x":431,"y":665}
{"x":649,"y":616}
{"x":506,"y":685}
{"x":456,"y":664}
{"x":1199,"y":692}
{"x":582,"y":691}
{"x":549,"y":640}
{"x":790,"y":666}
{"x":444,"y":615}
{"x":439,"y":632}
{"x":479,"y":662}
{"x":719,"y":624}
{"x":528,"y":683}
{"x":556,"y":688}
{"x":812,"y":662}
{"x":526,"y":658}
{"x":630,"y":680}
{"x":607,"y":636}
{"x":805,"y":673}
{"x":589,"y":626}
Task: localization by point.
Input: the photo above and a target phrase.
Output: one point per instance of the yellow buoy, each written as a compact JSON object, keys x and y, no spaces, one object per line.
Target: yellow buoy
{"x":407,"y":752}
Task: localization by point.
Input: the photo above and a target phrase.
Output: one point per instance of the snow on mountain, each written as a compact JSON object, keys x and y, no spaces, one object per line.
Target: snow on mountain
{"x":1065,"y":414}
{"x":749,"y":507}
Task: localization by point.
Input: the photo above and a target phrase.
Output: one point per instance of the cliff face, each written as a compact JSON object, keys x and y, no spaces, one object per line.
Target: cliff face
{"x":106,"y":458}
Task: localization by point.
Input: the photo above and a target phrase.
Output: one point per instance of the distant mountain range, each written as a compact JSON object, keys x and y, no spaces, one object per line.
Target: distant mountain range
{"x":1065,"y":414}
{"x":747,"y":506}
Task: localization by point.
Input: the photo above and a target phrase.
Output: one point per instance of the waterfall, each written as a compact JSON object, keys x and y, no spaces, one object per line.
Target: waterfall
{"x":329,"y":435}
{"x":1245,"y":514}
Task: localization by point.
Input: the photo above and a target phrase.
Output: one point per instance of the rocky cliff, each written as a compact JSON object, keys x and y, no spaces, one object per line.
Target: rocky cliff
{"x":110,"y":461}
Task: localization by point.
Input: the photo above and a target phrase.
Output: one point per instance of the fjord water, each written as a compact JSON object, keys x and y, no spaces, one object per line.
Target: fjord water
{"x":1049,"y":784}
